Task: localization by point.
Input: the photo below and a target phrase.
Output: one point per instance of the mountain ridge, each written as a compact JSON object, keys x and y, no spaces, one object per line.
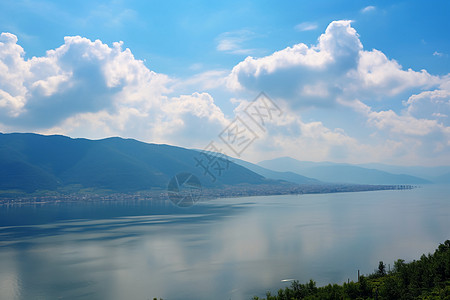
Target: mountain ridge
{"x":287,"y":176}
{"x":340,"y":172}
{"x":31,"y":162}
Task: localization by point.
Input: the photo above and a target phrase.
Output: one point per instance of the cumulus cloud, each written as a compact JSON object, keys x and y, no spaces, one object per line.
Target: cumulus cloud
{"x":430,"y":105}
{"x":317,"y":142}
{"x":80,"y":76}
{"x":86,"y":87}
{"x":295,"y":72}
{"x":425,"y":114}
{"x":314,"y":141}
{"x":415,"y":138}
{"x":337,"y":66}
{"x":188,"y":120}
{"x":12,"y":71}
{"x":376,"y":74}
{"x":402,"y":124}
{"x":422,"y":141}
{"x":338,"y":72}
{"x":90,"y":89}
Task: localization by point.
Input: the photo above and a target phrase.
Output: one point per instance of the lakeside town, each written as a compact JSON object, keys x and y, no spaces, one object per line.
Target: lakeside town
{"x":200,"y":194}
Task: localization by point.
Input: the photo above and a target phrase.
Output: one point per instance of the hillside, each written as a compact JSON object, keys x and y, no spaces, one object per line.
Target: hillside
{"x":31,"y":162}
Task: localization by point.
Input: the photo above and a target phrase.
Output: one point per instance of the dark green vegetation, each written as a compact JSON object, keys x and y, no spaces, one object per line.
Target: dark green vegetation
{"x":426,"y":278}
{"x":31,"y":162}
{"x":339,"y":173}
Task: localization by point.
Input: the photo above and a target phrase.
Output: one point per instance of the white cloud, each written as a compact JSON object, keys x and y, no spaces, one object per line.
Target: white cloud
{"x":368,"y":9}
{"x":430,"y":105}
{"x":190,"y":118}
{"x":422,"y":141}
{"x":111,"y":16}
{"x":439,"y":54}
{"x":292,"y":72}
{"x":233,"y":42}
{"x":403,"y":124}
{"x":203,"y":81}
{"x":87,"y":88}
{"x":12,"y":71}
{"x":335,"y":72}
{"x":399,"y":139}
{"x":313,"y":141}
{"x":90,"y":89}
{"x":80,"y":76}
{"x":379,"y":75}
{"x":306,"y":26}
{"x":419,"y":138}
{"x":337,"y":67}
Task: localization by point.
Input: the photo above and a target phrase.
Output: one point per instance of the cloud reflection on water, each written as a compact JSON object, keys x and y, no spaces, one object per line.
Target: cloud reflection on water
{"x":229,"y":248}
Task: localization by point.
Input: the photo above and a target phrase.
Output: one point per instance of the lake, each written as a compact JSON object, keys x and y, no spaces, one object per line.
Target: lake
{"x":231,"y":248}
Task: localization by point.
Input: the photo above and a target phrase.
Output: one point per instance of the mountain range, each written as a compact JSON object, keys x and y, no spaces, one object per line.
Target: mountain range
{"x":280,"y":175}
{"x":32,"y":162}
{"x":345,"y":173}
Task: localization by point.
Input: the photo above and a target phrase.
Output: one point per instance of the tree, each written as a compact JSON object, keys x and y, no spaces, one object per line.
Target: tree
{"x":426,"y":278}
{"x":364,"y":289}
{"x":381,"y":269}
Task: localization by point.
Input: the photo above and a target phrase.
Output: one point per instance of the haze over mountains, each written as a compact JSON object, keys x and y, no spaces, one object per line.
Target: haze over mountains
{"x":31,"y":162}
{"x":440,"y":174}
{"x":280,"y":175}
{"x":346,"y":173}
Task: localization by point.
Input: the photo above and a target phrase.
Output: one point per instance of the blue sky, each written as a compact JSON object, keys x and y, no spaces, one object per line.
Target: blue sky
{"x":171,"y":35}
{"x":358,"y":81}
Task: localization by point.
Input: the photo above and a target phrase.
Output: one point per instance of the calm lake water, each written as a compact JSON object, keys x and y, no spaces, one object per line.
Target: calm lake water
{"x":222,"y":249}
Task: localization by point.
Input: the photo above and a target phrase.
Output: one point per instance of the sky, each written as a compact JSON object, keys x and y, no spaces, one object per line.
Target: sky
{"x":353,"y":82}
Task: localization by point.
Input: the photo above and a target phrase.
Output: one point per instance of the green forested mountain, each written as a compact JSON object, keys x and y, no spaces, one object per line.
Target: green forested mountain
{"x":30,"y":162}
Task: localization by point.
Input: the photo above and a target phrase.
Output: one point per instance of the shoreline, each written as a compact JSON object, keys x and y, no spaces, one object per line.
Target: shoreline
{"x":50,"y":197}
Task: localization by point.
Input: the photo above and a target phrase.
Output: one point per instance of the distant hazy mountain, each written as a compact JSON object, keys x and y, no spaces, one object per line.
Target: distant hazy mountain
{"x":429,"y":173}
{"x":340,"y":173}
{"x":443,"y":178}
{"x":31,"y":162}
{"x":287,"y":176}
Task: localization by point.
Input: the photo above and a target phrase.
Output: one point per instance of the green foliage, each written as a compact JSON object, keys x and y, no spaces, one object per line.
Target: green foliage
{"x":427,"y":278}
{"x":381,"y":269}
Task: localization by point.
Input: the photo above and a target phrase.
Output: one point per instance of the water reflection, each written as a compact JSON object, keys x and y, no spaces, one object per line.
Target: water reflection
{"x":228,"y":248}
